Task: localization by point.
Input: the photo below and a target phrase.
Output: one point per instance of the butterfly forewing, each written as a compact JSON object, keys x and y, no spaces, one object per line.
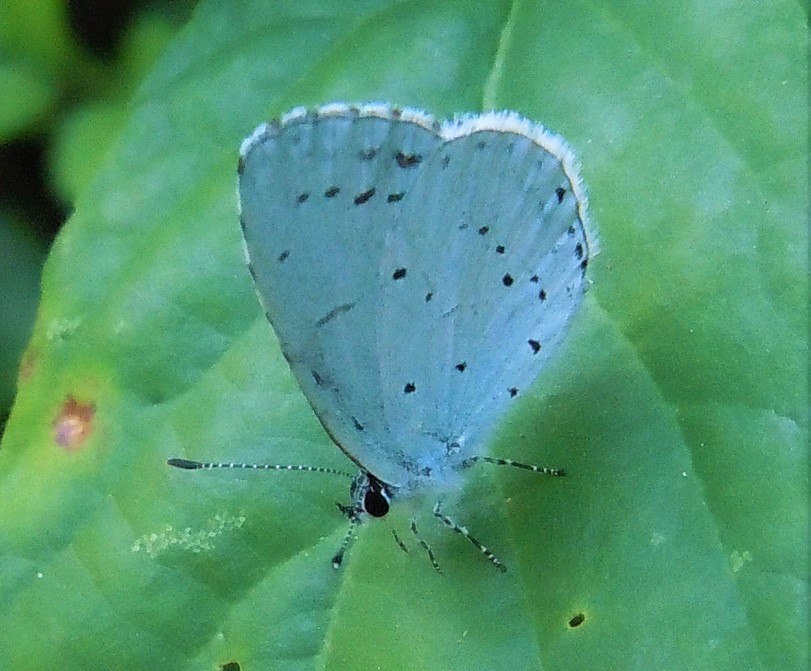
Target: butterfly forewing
{"x":316,"y":194}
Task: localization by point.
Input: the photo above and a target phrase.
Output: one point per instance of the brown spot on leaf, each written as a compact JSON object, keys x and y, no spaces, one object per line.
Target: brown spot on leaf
{"x":74,"y":423}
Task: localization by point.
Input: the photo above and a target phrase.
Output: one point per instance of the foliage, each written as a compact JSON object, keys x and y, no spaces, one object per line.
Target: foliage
{"x":679,"y":406}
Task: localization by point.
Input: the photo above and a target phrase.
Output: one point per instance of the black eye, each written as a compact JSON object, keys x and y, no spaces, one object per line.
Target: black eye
{"x":375,"y":503}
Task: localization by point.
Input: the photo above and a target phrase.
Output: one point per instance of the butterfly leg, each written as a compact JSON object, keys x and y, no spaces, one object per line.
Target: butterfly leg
{"x":464,"y":532}
{"x":425,"y":547}
{"x":354,"y":519}
{"x":399,"y":541}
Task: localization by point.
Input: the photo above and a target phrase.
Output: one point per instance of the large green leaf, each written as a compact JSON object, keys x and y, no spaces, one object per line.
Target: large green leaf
{"x":678,"y":406}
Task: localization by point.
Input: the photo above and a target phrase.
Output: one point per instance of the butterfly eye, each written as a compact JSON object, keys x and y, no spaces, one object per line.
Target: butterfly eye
{"x":375,"y":502}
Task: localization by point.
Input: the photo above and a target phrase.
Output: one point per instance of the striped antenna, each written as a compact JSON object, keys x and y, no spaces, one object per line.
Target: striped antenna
{"x":543,"y":470}
{"x":190,"y":465}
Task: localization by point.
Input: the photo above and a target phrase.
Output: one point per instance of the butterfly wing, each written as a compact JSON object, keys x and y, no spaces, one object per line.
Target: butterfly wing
{"x":493,"y":239}
{"x":316,"y":196}
{"x":418,"y":276}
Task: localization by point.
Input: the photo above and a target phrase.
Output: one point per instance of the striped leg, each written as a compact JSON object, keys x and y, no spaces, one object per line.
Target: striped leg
{"x":338,"y":557}
{"x":425,"y":547}
{"x":464,"y":532}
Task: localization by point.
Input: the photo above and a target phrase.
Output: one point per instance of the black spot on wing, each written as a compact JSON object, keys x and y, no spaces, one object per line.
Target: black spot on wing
{"x":364,"y":197}
{"x":407,"y":160}
{"x":332,"y":192}
{"x":399,"y":274}
{"x":332,"y":314}
{"x":395,"y":197}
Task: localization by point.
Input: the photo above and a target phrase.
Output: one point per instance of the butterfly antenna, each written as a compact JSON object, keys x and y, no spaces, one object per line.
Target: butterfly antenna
{"x":544,"y":470}
{"x":190,"y":465}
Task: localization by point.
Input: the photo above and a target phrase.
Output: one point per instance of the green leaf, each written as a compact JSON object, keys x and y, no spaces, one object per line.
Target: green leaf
{"x":21,"y":262}
{"x":38,"y":33}
{"x":26,"y":97}
{"x":86,"y":132}
{"x":80,"y":144}
{"x":678,"y":406}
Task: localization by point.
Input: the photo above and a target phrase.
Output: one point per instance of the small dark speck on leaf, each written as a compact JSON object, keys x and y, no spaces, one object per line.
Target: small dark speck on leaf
{"x":577,"y":620}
